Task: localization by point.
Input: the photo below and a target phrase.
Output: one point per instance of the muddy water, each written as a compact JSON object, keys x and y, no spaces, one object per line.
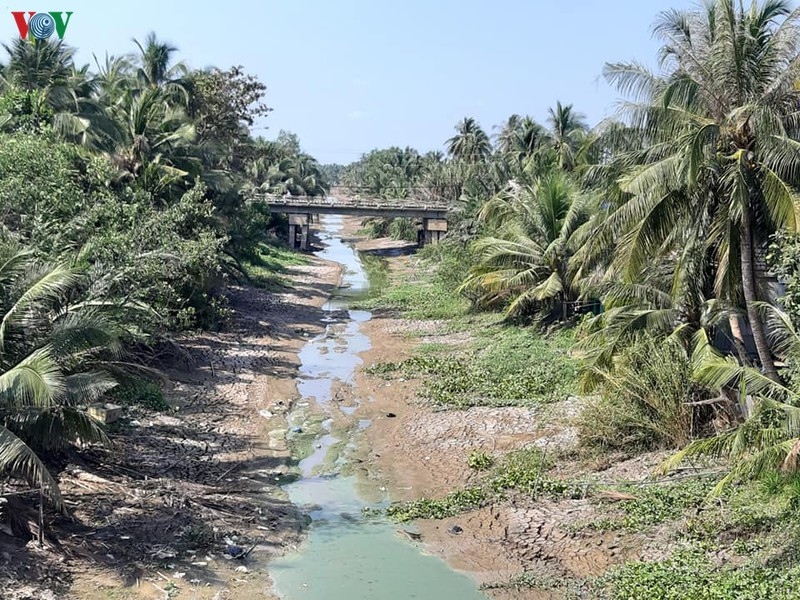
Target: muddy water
{"x":347,"y":556}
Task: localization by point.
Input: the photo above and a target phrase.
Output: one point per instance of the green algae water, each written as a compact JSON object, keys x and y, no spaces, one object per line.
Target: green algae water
{"x":349,"y":556}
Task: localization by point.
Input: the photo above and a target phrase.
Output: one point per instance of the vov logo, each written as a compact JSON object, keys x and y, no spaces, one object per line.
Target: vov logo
{"x":41,"y":25}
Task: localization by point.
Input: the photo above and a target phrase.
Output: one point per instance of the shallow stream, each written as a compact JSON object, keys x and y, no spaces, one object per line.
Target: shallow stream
{"x":347,"y":555}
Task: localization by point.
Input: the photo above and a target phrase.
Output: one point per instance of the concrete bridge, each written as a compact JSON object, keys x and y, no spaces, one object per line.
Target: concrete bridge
{"x":301,"y":210}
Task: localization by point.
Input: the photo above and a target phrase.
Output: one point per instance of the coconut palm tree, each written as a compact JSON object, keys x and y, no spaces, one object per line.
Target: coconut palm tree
{"x":508,"y":134}
{"x":59,"y":350}
{"x":720,"y":124}
{"x":155,"y":69}
{"x":51,"y":90}
{"x":470,"y":143}
{"x":523,"y":264}
{"x":567,"y":130}
{"x":40,"y":65}
{"x":153,"y":139}
{"x":521,"y":136}
{"x":768,"y":441}
{"x":155,"y":62}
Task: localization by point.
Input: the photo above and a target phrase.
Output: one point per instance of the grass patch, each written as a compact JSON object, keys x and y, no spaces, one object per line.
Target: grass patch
{"x":506,"y":366}
{"x":419,"y":300}
{"x":653,"y":505}
{"x":140,"y":392}
{"x":744,"y":513}
{"x":268,"y":265}
{"x":689,"y":573}
{"x":750,"y":520}
{"x":523,"y":471}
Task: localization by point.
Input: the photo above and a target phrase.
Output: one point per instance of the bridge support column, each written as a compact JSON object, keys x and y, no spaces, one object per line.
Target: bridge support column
{"x":432,"y":231}
{"x":299,"y":230}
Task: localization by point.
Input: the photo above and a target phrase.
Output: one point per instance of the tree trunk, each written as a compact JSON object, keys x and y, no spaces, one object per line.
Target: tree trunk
{"x":738,"y":338}
{"x":749,"y":290}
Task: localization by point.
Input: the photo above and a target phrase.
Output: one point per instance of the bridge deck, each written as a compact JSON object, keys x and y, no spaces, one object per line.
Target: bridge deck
{"x":351,"y":206}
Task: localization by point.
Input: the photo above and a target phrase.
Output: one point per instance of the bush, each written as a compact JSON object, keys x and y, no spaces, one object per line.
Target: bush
{"x":139,"y":392}
{"x":450,"y":505}
{"x":377,"y":227}
{"x":479,"y":460}
{"x":452,"y":259}
{"x":403,"y":229}
{"x":644,"y":400}
{"x":168,"y":256}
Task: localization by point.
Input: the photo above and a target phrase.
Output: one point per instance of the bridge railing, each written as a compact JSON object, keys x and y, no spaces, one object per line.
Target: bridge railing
{"x":331,"y":201}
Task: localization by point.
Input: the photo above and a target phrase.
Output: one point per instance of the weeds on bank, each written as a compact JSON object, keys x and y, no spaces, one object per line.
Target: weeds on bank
{"x":652,"y":505}
{"x":506,"y":366}
{"x":523,"y":471}
{"x":479,"y":460}
{"x":751,"y":521}
{"x":267,"y":266}
{"x":690,"y":573}
{"x":424,"y":301}
{"x":142,"y":393}
{"x":743,"y":511}
{"x":450,"y":505}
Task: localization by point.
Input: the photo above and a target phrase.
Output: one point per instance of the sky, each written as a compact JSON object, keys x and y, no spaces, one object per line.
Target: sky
{"x":348,"y":76}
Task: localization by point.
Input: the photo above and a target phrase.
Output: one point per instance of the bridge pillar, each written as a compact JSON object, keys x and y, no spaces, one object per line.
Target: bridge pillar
{"x":299,"y":230}
{"x":432,"y":231}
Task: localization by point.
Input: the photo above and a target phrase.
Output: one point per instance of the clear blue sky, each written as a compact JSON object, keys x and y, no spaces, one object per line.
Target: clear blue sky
{"x":351,"y":75}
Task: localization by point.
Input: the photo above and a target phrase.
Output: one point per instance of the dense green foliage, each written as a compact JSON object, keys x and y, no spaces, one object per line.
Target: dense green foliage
{"x":124,"y":215}
{"x":648,"y":402}
{"x":670,"y":224}
{"x":522,"y":472}
{"x":659,"y":222}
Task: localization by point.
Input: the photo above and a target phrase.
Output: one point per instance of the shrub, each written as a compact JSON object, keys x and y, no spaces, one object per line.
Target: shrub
{"x":510,"y":366}
{"x":479,"y":460}
{"x":139,"y":392}
{"x":450,"y":505}
{"x":644,"y":401}
{"x":167,"y":255}
{"x":403,"y":229}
